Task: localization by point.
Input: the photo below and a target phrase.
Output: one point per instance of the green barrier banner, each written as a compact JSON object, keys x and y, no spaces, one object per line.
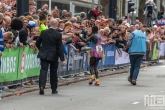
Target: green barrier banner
{"x":19,"y":63}
{"x":9,"y":65}
{"x":29,"y":63}
{"x":155,"y":53}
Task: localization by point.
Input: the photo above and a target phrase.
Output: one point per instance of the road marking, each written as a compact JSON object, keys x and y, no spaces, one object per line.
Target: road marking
{"x":162,"y":66}
{"x":136,"y":103}
{"x":162,"y":91}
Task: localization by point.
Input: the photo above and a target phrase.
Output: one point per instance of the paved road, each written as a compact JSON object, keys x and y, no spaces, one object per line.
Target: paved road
{"x":114,"y":93}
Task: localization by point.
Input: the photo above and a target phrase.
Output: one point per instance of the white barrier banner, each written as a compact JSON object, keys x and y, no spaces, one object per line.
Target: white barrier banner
{"x":121,"y":58}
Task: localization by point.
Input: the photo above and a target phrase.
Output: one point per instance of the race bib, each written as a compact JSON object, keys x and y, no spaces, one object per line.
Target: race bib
{"x":99,"y":48}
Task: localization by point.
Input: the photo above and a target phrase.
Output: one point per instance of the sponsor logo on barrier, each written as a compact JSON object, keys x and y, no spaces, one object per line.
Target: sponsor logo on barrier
{"x":22,"y":63}
{"x":31,"y":61}
{"x":154,"y":100}
{"x":76,"y":57}
{"x":8,"y":64}
{"x":110,"y":53}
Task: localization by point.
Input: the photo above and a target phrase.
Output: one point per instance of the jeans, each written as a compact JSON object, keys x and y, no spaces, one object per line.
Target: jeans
{"x":135,"y":61}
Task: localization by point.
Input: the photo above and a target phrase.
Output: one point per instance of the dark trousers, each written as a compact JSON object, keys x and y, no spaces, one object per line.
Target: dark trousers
{"x":135,"y":61}
{"x":53,"y":73}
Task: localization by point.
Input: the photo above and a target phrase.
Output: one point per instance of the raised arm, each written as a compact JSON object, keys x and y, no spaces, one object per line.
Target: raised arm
{"x":86,"y":40}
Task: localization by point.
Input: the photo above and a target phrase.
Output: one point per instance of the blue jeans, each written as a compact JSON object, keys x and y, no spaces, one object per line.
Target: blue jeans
{"x":135,"y":61}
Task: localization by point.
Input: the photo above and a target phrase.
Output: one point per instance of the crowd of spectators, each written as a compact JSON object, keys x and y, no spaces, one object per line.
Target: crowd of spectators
{"x":25,"y":30}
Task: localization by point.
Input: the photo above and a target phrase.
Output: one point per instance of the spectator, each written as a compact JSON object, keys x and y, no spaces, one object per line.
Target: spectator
{"x":8,"y":38}
{"x":73,"y":20}
{"x":45,"y":7}
{"x":69,"y":15}
{"x":7,"y":22}
{"x":64,"y":14}
{"x":1,"y":21}
{"x":27,"y":34}
{"x":61,"y":27}
{"x":82,"y":16}
{"x":1,"y":36}
{"x":78,"y":19}
{"x":31,"y":10}
{"x":8,"y":4}
{"x":137,"y":26}
{"x":7,"y":13}
{"x":104,"y":37}
{"x":16,"y":25}
{"x":25,"y":22}
{"x":42,"y":23}
{"x":38,"y":12}
{"x":14,"y":12}
{"x":55,"y":13}
{"x":96,"y":12}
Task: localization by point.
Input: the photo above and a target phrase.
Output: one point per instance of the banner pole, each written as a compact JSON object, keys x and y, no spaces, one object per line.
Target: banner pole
{"x":21,"y":83}
{"x":1,"y":85}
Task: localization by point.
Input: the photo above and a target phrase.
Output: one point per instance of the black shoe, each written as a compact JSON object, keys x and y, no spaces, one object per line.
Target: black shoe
{"x":133,"y":82}
{"x":41,"y":91}
{"x":54,"y":91}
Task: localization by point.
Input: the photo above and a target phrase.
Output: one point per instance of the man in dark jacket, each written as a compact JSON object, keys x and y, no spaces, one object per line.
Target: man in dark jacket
{"x":50,"y":49}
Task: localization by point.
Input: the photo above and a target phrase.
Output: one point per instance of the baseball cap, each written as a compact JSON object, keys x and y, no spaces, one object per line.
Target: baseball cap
{"x":31,"y":24}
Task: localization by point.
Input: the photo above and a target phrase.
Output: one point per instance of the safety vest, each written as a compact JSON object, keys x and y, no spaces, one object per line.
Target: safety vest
{"x":138,"y":43}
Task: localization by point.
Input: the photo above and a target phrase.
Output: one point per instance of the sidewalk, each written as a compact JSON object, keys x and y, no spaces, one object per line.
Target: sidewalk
{"x":62,"y":82}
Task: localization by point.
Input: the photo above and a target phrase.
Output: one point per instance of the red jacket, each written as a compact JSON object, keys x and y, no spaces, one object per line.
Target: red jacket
{"x":96,"y":12}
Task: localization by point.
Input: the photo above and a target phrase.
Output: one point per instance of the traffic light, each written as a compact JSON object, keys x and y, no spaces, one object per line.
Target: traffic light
{"x":130,"y":4}
{"x":113,"y":9}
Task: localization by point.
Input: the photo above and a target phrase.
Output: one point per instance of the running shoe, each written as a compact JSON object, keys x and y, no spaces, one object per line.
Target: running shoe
{"x":91,"y":80}
{"x":97,"y":83}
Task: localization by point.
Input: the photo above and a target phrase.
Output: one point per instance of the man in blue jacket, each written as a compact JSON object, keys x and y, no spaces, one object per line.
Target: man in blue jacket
{"x":1,"y":45}
{"x":137,"y":49}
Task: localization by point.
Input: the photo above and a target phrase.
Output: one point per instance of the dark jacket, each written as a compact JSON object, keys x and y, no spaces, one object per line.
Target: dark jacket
{"x":50,"y":45}
{"x":23,"y":34}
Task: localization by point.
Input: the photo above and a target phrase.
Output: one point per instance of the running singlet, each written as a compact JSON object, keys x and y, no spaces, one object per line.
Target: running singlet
{"x":96,"y":49}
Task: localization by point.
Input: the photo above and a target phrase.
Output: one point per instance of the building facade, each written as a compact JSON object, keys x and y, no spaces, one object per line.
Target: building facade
{"x":74,"y":6}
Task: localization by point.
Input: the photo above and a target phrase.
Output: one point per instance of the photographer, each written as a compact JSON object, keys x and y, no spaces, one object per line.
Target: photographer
{"x":150,"y":12}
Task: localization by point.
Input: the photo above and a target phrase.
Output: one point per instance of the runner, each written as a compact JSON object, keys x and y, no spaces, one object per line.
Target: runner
{"x":95,"y":53}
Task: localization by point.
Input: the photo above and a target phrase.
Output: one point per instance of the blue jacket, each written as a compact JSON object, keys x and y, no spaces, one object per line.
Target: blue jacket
{"x":138,"y":45}
{"x":1,"y":42}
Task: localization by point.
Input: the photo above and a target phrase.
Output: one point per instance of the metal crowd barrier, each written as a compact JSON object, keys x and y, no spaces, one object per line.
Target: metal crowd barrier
{"x":77,"y":63}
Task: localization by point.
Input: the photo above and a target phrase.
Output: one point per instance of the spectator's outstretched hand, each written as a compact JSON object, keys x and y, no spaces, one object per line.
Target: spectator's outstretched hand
{"x":21,"y":45}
